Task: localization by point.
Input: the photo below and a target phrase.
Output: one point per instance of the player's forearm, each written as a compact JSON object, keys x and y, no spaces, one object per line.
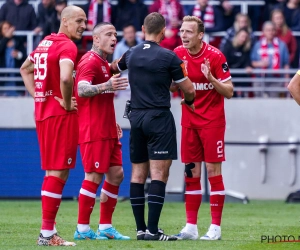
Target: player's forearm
{"x":225,"y":89}
{"x":29,"y":83}
{"x":66,"y":88}
{"x":88,"y":90}
{"x":27,"y":73}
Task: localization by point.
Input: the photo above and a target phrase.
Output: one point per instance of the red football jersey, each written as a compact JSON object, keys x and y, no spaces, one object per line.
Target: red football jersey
{"x":97,"y":119}
{"x":209,"y":104}
{"x":46,"y":57}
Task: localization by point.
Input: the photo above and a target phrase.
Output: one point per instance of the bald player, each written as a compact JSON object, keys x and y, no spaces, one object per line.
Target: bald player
{"x":48,"y":76}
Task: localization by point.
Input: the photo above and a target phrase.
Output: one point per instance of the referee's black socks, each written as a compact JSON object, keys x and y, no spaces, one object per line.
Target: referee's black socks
{"x":156,"y":198}
{"x":137,"y":200}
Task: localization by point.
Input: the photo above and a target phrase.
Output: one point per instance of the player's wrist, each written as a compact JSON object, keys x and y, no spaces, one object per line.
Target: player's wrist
{"x":189,"y":103}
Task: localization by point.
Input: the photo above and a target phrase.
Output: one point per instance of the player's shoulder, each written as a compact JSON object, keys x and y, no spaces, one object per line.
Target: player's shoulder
{"x":212,"y":51}
{"x":88,"y":60}
{"x":179,"y":50}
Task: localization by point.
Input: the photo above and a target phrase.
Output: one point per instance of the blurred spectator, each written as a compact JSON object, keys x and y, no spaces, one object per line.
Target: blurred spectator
{"x":19,"y":13}
{"x":129,"y":40}
{"x":284,"y":33}
{"x":53,"y":22}
{"x":229,"y":13}
{"x":172,"y":11}
{"x":291,"y":11}
{"x":98,"y":11}
{"x":12,"y":55}
{"x":129,"y":12}
{"x":211,"y":16}
{"x":241,"y":21}
{"x":270,"y":53}
{"x":46,"y":9}
{"x":237,"y":53}
{"x":269,"y":6}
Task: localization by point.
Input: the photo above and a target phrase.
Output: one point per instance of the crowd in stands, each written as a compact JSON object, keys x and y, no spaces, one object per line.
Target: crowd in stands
{"x":275,"y":48}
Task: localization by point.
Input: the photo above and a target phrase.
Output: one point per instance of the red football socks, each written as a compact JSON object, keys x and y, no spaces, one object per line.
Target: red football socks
{"x":51,"y":197}
{"x":217,"y":198}
{"x":108,"y":207}
{"x":87,"y":198}
{"x":193,"y":197}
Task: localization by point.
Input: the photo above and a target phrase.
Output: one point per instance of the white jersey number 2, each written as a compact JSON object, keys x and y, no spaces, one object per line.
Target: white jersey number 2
{"x":40,"y":66}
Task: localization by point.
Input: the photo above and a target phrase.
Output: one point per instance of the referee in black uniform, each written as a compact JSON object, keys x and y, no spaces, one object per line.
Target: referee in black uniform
{"x":153,"y":143}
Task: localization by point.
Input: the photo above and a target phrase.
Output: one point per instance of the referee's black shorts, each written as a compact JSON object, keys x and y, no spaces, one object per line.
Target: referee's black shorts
{"x":152,"y":135}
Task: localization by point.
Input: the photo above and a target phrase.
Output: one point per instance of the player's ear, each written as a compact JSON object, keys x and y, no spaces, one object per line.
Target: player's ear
{"x":200,"y":36}
{"x":143,"y":29}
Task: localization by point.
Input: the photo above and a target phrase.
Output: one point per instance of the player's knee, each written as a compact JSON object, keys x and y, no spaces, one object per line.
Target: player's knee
{"x":188,"y":169}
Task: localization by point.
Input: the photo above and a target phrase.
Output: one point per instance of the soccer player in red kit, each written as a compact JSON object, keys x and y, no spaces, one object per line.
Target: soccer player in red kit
{"x":48,"y":76}
{"x":99,"y":135}
{"x":203,"y":129}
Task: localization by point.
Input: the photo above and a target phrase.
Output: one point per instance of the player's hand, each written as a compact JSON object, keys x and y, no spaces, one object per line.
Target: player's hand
{"x":119,"y":131}
{"x":118,"y":83}
{"x":205,"y":68}
{"x":62,"y":103}
{"x":192,"y":107}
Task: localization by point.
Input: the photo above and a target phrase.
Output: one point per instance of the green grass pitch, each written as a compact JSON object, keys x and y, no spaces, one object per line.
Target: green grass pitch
{"x":242,"y":226}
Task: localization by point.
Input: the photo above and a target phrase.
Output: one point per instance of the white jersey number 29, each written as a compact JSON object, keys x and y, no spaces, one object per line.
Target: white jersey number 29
{"x":40,"y":66}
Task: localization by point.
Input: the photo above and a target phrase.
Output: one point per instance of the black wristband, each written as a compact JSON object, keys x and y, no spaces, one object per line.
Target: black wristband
{"x":189,"y":103}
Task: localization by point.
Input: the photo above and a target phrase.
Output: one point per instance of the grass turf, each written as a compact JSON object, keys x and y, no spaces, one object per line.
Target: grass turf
{"x":242,"y":226}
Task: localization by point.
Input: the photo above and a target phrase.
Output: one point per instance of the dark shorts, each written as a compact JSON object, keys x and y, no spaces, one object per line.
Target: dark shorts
{"x":152,"y":135}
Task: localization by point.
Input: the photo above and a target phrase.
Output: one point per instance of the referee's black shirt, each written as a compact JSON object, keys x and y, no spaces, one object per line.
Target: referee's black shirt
{"x":151,"y":70}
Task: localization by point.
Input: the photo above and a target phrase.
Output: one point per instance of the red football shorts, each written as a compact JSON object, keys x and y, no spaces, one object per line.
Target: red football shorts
{"x":58,"y":140}
{"x":99,"y":156}
{"x":199,"y":145}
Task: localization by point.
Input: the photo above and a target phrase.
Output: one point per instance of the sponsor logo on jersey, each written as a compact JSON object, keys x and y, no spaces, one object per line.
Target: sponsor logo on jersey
{"x":38,"y":85}
{"x":104,"y":69}
{"x":203,"y":86}
{"x":147,"y":46}
{"x":97,"y":164}
{"x":46,"y":43}
{"x":225,"y":67}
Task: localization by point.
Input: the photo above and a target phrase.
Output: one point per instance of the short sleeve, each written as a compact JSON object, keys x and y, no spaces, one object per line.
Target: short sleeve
{"x":122,"y":65}
{"x":177,"y":68}
{"x":85,"y":73}
{"x":221,"y":68}
{"x":68,"y":52}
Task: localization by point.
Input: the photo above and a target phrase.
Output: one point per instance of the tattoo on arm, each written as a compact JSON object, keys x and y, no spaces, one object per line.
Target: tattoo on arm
{"x":88,"y":90}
